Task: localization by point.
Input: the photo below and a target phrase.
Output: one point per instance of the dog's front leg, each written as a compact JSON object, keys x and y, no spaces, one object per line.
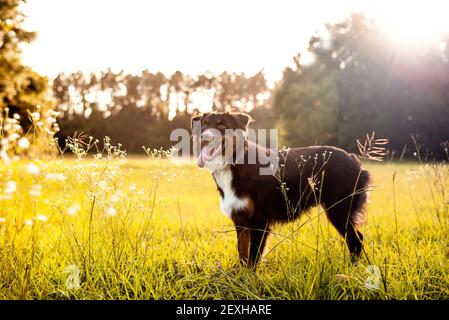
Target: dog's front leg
{"x":259,"y":239}
{"x":243,"y":244}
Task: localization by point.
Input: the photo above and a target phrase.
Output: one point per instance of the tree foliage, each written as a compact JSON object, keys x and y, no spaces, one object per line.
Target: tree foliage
{"x":358,"y":83}
{"x":22,"y":91}
{"x":142,"y":110}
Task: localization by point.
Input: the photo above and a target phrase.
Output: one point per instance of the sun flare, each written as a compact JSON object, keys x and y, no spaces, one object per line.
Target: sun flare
{"x":412,"y":24}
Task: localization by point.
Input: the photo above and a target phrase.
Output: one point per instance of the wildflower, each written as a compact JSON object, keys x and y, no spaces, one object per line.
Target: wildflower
{"x":41,"y":218}
{"x":50,"y":120}
{"x":35,"y":116}
{"x":116,"y":196}
{"x":110,"y":211}
{"x":2,"y":219}
{"x":4,"y":157}
{"x":36,"y":191}
{"x":33,"y":169}
{"x":29,"y":222}
{"x":103,"y":185}
{"x":74,"y":209}
{"x":55,"y":176}
{"x":312,"y":183}
{"x":10,"y":187}
{"x":132,"y":187}
{"x":13,"y":136}
{"x":23,"y":143}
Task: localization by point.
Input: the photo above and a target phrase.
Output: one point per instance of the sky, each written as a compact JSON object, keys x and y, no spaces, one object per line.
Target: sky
{"x":196,"y":36}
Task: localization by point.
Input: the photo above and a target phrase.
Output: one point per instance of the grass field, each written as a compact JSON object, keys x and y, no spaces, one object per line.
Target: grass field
{"x":151,"y":229}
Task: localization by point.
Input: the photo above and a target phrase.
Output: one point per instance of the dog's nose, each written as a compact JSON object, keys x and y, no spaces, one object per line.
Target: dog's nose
{"x":207,"y":135}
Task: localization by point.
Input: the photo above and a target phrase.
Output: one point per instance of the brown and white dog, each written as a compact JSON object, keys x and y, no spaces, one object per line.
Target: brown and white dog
{"x":317,"y":175}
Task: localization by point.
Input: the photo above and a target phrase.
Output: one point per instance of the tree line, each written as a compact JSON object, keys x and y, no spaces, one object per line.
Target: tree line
{"x":142,"y":110}
{"x":358,"y":82}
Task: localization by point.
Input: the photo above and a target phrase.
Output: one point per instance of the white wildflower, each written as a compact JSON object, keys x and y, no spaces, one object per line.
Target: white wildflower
{"x":29,"y":222}
{"x":103,"y":185}
{"x":4,"y":157}
{"x":55,"y":176}
{"x":13,"y":136}
{"x":36,"y":191}
{"x":110,"y":211}
{"x":10,"y":187}
{"x":116,"y":196}
{"x":41,"y":218}
{"x":2,"y":219}
{"x":23,"y":143}
{"x":74,"y":209}
{"x":35,"y":116}
{"x":33,"y":169}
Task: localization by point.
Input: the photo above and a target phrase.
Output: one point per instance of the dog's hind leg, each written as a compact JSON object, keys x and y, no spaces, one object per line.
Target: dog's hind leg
{"x":346,"y":213}
{"x":340,"y":216}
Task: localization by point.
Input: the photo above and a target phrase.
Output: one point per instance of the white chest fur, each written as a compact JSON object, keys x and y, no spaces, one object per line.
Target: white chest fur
{"x":230,"y":202}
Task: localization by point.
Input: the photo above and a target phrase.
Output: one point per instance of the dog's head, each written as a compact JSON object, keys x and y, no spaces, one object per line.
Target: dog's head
{"x":213,"y":130}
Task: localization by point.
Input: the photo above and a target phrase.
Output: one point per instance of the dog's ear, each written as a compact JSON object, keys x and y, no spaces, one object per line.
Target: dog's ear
{"x":198,"y":117}
{"x":243,"y":119}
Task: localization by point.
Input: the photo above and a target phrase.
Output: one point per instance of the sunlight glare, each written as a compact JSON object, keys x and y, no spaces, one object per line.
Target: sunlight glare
{"x":413,"y":24}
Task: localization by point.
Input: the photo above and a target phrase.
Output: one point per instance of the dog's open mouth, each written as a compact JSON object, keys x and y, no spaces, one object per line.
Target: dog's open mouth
{"x":208,"y":153}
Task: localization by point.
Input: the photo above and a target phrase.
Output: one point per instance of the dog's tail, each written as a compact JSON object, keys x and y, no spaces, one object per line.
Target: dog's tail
{"x":360,"y":197}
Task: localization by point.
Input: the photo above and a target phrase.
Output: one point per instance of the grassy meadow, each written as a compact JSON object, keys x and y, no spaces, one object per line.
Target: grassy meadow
{"x":146,"y":228}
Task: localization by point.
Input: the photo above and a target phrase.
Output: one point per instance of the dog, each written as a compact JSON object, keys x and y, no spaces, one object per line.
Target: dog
{"x":306,"y":177}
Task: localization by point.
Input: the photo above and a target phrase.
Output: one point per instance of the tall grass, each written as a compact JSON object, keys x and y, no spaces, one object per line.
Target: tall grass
{"x":147,"y":228}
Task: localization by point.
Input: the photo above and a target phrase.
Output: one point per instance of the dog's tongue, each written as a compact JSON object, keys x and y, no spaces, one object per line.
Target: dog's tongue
{"x":202,"y":157}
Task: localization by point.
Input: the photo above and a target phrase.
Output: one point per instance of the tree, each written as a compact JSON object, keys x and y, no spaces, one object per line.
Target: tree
{"x":22,"y":91}
{"x":142,"y":110}
{"x":362,"y":83}
{"x":306,"y":102}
